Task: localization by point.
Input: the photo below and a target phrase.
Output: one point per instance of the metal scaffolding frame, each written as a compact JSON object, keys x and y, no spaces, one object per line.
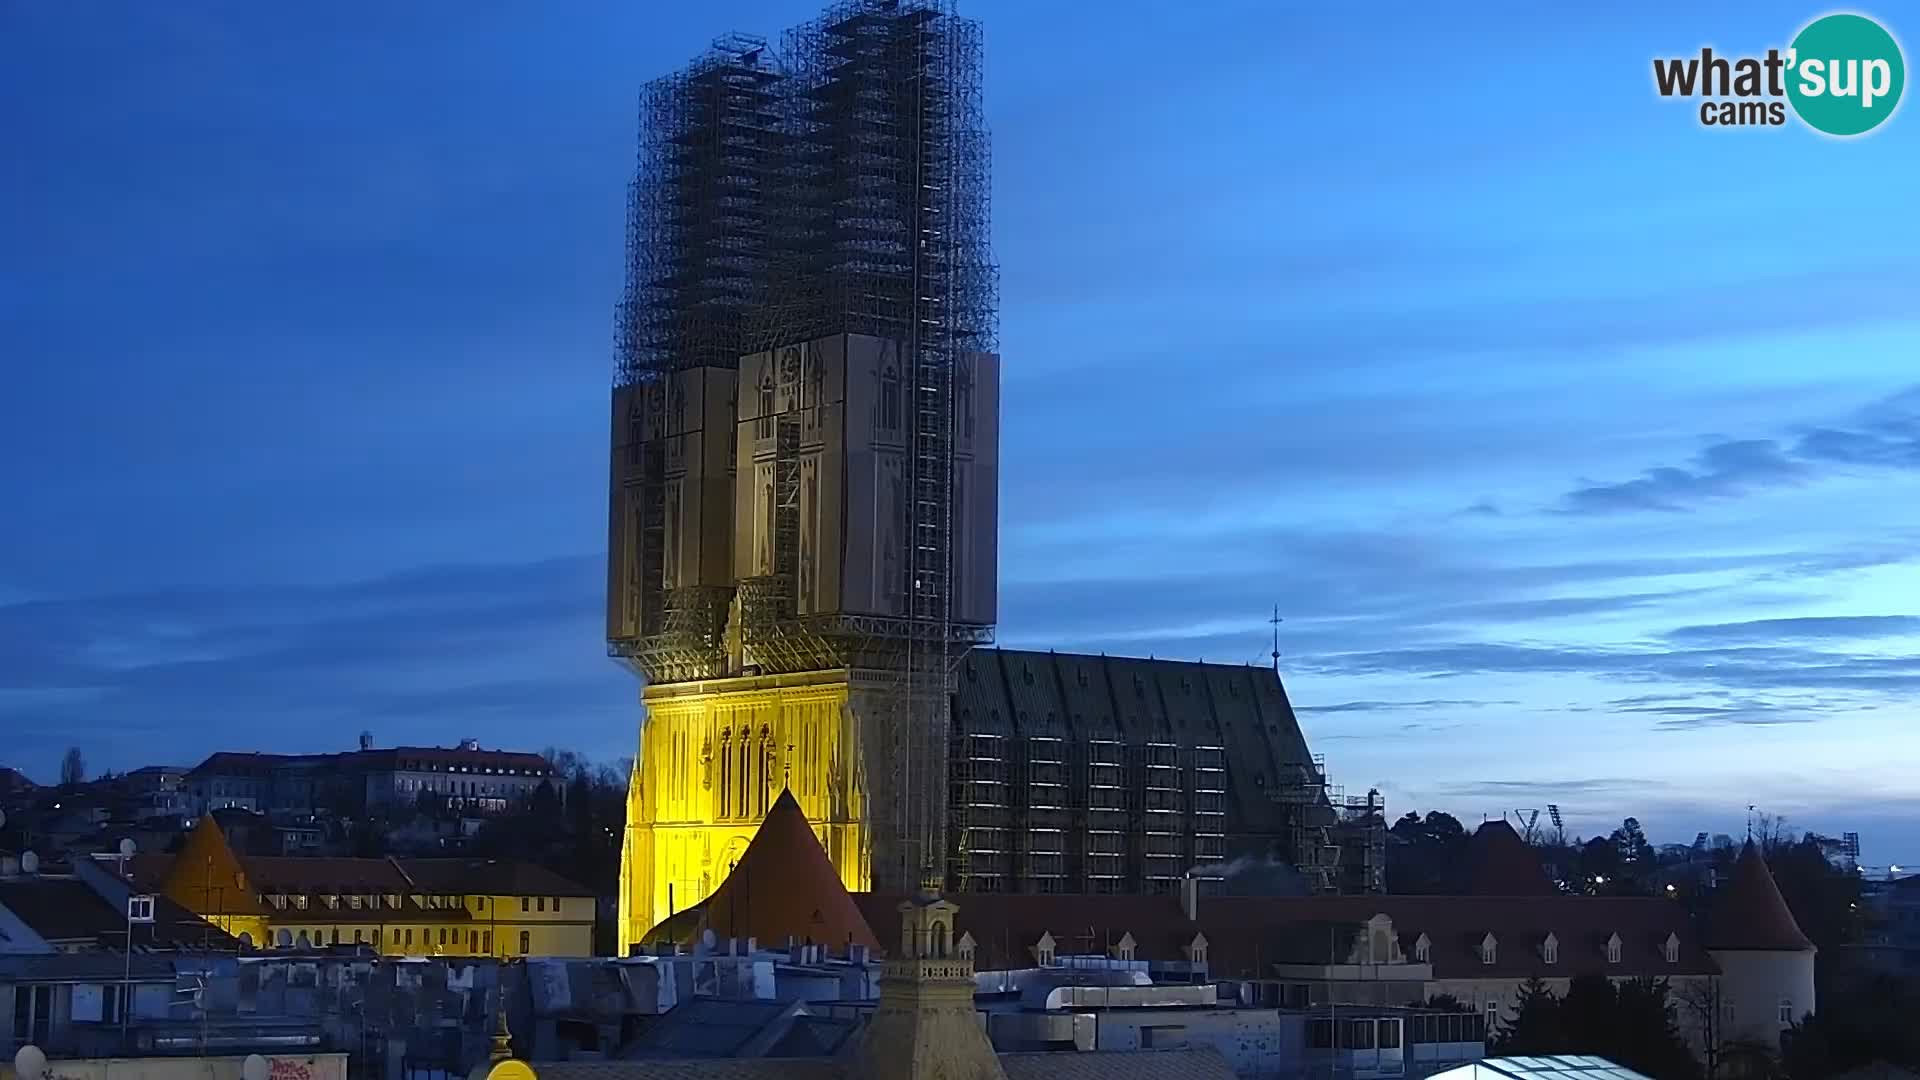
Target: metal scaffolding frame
{"x":838,"y":185}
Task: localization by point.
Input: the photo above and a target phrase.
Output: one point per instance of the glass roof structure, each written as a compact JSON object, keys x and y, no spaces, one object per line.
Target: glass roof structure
{"x":1559,"y":1067}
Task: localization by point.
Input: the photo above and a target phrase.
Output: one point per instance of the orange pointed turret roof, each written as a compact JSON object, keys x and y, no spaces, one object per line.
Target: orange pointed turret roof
{"x":784,"y":886}
{"x":1750,"y":913}
{"x":207,"y":878}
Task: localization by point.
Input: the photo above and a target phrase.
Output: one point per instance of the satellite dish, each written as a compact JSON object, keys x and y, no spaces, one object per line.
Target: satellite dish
{"x":29,"y":1063}
{"x":127,"y":848}
{"x":254,"y":1068}
{"x":29,"y":864}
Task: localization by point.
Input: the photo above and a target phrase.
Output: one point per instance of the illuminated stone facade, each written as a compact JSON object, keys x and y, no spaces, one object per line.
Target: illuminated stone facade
{"x":714,"y":756}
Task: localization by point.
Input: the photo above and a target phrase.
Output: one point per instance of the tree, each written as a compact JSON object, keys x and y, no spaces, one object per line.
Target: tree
{"x":1855,"y":1027}
{"x":1824,"y":898}
{"x":1426,"y":856}
{"x":1536,"y":1026}
{"x":1631,"y":1024}
{"x":1631,"y":842}
{"x":1703,"y":1002}
{"x":73,"y":767}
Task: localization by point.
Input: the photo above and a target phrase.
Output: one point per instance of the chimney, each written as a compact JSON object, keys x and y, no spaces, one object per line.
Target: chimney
{"x":1190,"y":898}
{"x":366,"y":740}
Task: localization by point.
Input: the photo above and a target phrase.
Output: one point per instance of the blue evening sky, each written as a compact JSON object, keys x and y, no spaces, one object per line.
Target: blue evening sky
{"x":1579,"y":445}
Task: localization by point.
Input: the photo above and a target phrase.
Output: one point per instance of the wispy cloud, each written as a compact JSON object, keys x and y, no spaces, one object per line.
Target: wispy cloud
{"x":1767,"y":630}
{"x":1885,"y":434}
{"x":1392,"y":706}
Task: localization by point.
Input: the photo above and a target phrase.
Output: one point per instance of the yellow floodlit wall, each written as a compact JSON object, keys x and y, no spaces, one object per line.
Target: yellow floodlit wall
{"x":714,"y":756}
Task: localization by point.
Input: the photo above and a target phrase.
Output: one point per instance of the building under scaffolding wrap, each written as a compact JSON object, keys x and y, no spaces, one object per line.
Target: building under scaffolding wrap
{"x":804,"y":471}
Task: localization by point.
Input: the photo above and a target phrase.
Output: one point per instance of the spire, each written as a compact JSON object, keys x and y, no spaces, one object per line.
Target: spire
{"x":784,"y":887}
{"x":206,"y":877}
{"x":924,"y":1026}
{"x":1750,"y":914}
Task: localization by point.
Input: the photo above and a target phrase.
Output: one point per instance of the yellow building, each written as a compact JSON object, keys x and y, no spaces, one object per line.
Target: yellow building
{"x":714,"y":756}
{"x":400,"y":906}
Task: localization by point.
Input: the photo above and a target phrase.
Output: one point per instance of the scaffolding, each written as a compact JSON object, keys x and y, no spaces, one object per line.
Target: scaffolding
{"x":838,"y":185}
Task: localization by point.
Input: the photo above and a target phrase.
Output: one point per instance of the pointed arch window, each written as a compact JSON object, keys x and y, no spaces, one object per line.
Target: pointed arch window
{"x":763,"y":427}
{"x":745,"y":751}
{"x":1489,"y":950}
{"x":889,"y":398}
{"x":1613,"y":949}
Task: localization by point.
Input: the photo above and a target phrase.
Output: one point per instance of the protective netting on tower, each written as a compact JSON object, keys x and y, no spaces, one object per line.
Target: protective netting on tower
{"x":837,"y":186}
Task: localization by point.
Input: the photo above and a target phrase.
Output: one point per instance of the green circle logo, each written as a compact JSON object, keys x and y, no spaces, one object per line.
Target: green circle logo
{"x":1845,"y":74}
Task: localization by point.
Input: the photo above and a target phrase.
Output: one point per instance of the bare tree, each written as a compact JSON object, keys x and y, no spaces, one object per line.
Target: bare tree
{"x":73,"y":767}
{"x":1701,"y":1002}
{"x":1770,"y":831}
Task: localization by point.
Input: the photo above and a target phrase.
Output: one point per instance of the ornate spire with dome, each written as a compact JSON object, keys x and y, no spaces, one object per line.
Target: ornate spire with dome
{"x":925,"y":1025}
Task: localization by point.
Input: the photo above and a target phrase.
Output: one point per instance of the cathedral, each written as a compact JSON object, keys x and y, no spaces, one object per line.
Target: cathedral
{"x":804,"y":516}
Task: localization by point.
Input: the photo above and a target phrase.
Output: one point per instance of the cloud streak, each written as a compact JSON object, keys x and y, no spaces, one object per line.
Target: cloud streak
{"x":1884,"y":435}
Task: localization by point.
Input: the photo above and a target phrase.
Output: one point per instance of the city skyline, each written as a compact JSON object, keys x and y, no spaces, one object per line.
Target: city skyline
{"x":1569,"y":442}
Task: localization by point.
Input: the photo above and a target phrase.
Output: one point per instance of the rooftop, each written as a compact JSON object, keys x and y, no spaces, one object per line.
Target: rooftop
{"x":1750,"y":914}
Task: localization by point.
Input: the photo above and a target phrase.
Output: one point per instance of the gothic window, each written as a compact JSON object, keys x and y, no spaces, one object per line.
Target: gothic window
{"x":1613,"y":949}
{"x":766,"y":766}
{"x":744,"y":750}
{"x":889,"y":399}
{"x":1489,"y":950}
{"x":1673,"y":949}
{"x":763,"y":426}
{"x":1550,"y":949}
{"x":966,"y":399}
{"x":726,"y":771}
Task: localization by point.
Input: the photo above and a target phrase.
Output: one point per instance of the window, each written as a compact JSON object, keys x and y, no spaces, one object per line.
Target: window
{"x":556,"y":900}
{"x":396,"y":935}
{"x":1673,"y":949}
{"x":33,"y":1014}
{"x":526,"y":942}
{"x":473,"y":941}
{"x":334,"y":937}
{"x":110,"y":996}
{"x":1786,"y":1010}
{"x":1550,"y":949}
{"x":540,"y":903}
{"x":1613,"y":949}
{"x":525,"y":904}
{"x":1422,"y":950}
{"x":1493,"y":1017}
{"x":1389,"y":1034}
{"x":443,"y":935}
{"x":486,"y":941}
{"x":409,"y":935}
{"x":1489,"y":950}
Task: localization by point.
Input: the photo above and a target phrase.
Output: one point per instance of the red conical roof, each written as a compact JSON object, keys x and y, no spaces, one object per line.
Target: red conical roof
{"x":1499,"y":863}
{"x":784,"y":886}
{"x":1750,"y":913}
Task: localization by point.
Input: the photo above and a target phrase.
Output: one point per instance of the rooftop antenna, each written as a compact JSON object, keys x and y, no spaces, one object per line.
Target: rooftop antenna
{"x":1749,"y":823}
{"x":1275,"y":622}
